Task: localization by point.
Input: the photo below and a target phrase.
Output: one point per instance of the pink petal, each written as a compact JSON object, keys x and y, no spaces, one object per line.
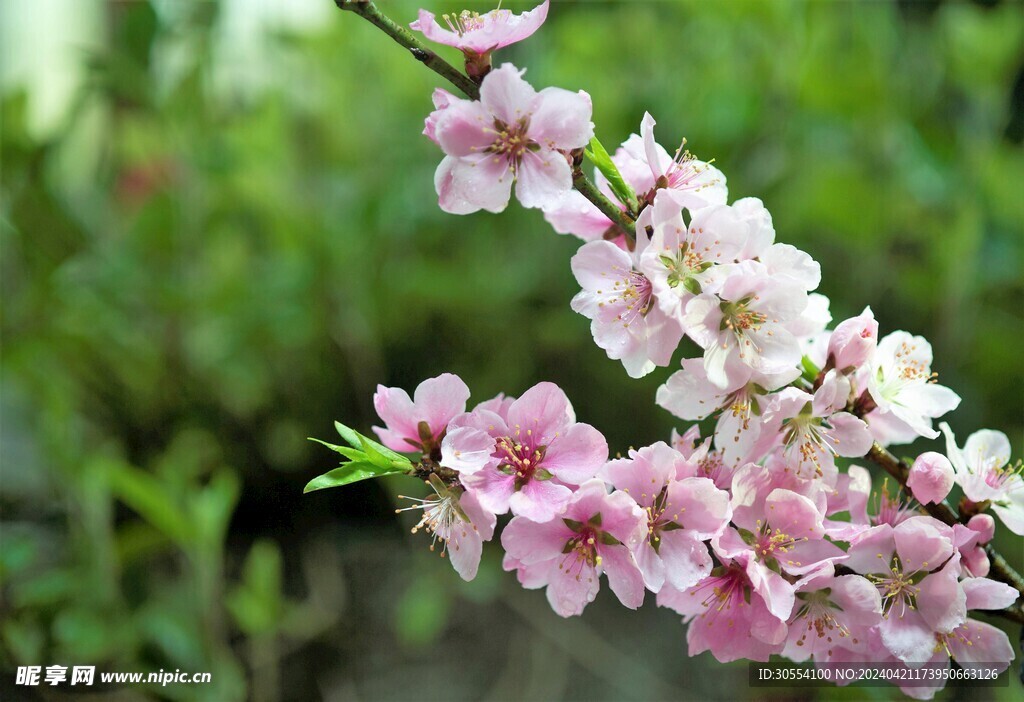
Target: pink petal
{"x":988,"y":646}
{"x":576,"y":455}
{"x":571,"y":589}
{"x":492,"y":487}
{"x":906,"y":636}
{"x":433,"y":31}
{"x":439,"y":399}
{"x":561,"y":119}
{"x":467,"y":450}
{"x":650,"y":146}
{"x":539,"y":500}
{"x":794,"y":514}
{"x":850,"y":436}
{"x":532,"y":542}
{"x":624,"y":576}
{"x":481,"y":182}
{"x":506,"y":95}
{"x":576,"y":215}
{"x":685,"y":557}
{"x":983,"y":593}
{"x":701,"y":507}
{"x":921,"y":545}
{"x":464,"y":128}
{"x":543,"y":178}
{"x":464,"y":549}
{"x":396,"y":408}
{"x":543,"y":410}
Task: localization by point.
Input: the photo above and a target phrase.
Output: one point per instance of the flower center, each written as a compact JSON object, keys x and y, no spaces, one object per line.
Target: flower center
{"x":769,"y":544}
{"x":634,"y":292}
{"x":684,"y":173}
{"x":818,"y":612}
{"x":899,"y":589}
{"x":512,"y":141}
{"x":891,"y":510}
{"x":521,"y":460}
{"x":463,"y":22}
{"x":724,"y":590}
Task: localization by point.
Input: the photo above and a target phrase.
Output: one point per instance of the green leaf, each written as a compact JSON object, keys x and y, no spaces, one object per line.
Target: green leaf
{"x":358,"y":441}
{"x":348,"y":473}
{"x":349,"y":453}
{"x":600,"y":158}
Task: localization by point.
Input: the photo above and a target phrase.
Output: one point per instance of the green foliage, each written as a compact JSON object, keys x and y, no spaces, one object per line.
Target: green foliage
{"x":367,"y":459}
{"x":598,"y":155}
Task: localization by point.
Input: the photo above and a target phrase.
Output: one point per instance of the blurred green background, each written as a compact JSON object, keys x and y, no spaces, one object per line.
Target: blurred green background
{"x":219,"y":233}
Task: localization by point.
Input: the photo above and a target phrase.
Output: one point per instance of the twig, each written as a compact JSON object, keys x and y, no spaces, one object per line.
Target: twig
{"x":371,"y":13}
{"x":999,"y":569}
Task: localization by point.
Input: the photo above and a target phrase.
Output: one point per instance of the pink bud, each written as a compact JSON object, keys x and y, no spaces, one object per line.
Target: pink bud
{"x":985,"y":525}
{"x":853,"y":341}
{"x":931,"y":477}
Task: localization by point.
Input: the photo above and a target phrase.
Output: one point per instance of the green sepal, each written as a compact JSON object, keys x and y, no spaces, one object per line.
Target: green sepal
{"x":609,"y":540}
{"x":693,"y":286}
{"x":573,"y":524}
{"x":595,"y":520}
{"x":598,"y":155}
{"x":810,"y":371}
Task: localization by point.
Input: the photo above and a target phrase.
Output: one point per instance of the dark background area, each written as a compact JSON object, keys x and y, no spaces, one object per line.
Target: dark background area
{"x":219,"y":234}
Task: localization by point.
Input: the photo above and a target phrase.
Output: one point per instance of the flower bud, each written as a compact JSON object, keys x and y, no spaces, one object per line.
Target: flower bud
{"x":931,"y":477}
{"x":985,"y":525}
{"x":853,"y":341}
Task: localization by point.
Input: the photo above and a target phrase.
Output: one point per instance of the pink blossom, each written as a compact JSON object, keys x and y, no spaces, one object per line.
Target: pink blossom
{"x":526,"y":461}
{"x":594,"y":534}
{"x":688,"y":394}
{"x":930,"y":478}
{"x":853,"y":341}
{"x":831,"y":612}
{"x":901,"y":383}
{"x":727,"y":616}
{"x":685,"y":180}
{"x":685,"y":260}
{"x":619,"y":300}
{"x":745,"y":322}
{"x":475,"y":33}
{"x":984,"y":471}
{"x":513,"y":133}
{"x":916,"y":570}
{"x":456,"y":518}
{"x":816,"y":428}
{"x":680,"y":514}
{"x":419,"y":423}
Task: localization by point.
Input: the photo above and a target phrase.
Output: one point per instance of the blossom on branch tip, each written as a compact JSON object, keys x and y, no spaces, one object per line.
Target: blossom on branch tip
{"x":512,"y":134}
{"x":930,"y":478}
{"x":472,"y":32}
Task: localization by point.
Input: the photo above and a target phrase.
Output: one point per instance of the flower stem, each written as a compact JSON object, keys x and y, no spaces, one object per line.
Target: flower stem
{"x":999,"y":569}
{"x":371,"y":13}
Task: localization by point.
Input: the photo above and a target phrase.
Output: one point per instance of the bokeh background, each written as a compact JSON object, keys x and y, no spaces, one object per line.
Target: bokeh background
{"x":219,"y":234}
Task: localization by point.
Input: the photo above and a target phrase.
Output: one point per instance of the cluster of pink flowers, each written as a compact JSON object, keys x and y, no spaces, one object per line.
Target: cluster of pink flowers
{"x":756,"y":534}
{"x":775,"y":552}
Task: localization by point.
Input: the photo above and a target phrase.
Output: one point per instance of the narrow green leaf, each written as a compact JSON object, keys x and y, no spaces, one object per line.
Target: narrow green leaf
{"x":358,"y":441}
{"x":810,"y":371}
{"x":348,"y":473}
{"x":600,"y":158}
{"x":349,"y":453}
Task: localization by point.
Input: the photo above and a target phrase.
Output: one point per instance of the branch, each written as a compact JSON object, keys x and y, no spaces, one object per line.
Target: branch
{"x":999,"y":569}
{"x":371,"y":13}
